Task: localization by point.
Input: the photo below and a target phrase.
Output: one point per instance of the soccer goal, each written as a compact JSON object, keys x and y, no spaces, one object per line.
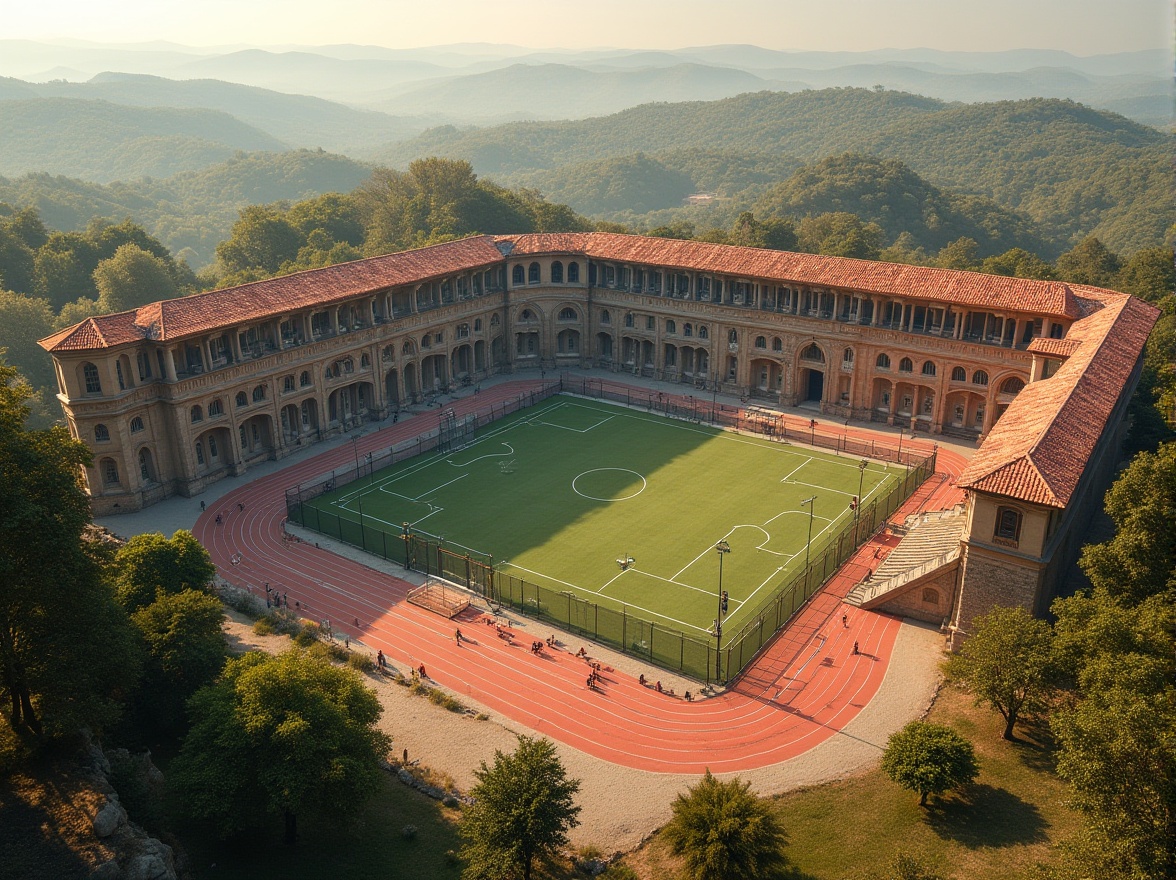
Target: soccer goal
{"x":454,"y":433}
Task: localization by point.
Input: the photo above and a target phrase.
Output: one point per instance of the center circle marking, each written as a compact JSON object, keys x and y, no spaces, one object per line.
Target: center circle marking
{"x":598,"y":470}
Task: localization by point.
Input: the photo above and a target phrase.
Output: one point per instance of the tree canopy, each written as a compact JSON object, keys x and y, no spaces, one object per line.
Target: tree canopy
{"x":929,"y":759}
{"x":131,"y":278}
{"x":724,"y":832}
{"x":1006,"y":663}
{"x":280,"y":735}
{"x":150,"y":564}
{"x":524,"y":806}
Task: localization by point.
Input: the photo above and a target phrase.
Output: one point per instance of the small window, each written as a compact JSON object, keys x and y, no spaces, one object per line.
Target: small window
{"x":733,"y":337}
{"x":1011,"y":385}
{"x":703,"y":333}
{"x":122,"y":384}
{"x":136,"y":425}
{"x":557,"y":272}
{"x":365,"y":361}
{"x":1008,"y":524}
{"x":687,"y":329}
{"x":568,"y":314}
{"x":928,"y":368}
{"x":518,"y":276}
{"x":761,"y":342}
{"x":650,"y":323}
{"x":777,"y":344}
{"x":533,"y":273}
{"x":813,"y":353}
{"x":216,"y":408}
{"x":212,"y":450}
{"x":197,"y":414}
{"x":199,"y":453}
{"x":883,"y":362}
{"x":931,"y":596}
{"x":605,"y":317}
{"x":906,"y":366}
{"x":287,"y":384}
{"x":959,"y":374}
{"x":671,"y":327}
{"x":101,"y":434}
{"x":109,"y":472}
{"x":574,"y":273}
{"x":242,"y":399}
{"x":144,"y":362}
{"x":847,"y":357}
{"x":495,"y":320}
{"x":527,"y":317}
{"x":980,"y":378}
{"x":629,"y":319}
{"x":93,"y":383}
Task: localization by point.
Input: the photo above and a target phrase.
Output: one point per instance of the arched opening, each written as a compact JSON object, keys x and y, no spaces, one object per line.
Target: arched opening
{"x":462,"y":361}
{"x":412,"y":385}
{"x":568,"y":343}
{"x":557,"y":272}
{"x":813,"y":384}
{"x":604,"y":347}
{"x":480,"y":355}
{"x":147,"y":466}
{"x":256,"y":436}
{"x":766,"y":378}
{"x":435,"y":373}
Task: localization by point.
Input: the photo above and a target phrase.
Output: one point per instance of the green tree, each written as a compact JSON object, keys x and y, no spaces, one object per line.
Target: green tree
{"x":1140,"y":561}
{"x":24,"y":320}
{"x":63,"y":268}
{"x":150,"y":564}
{"x":724,"y":832}
{"x":262,"y":239}
{"x":1089,"y":262}
{"x":66,"y":649}
{"x":963,"y":253}
{"x":131,"y":278}
{"x":929,"y":759}
{"x":1006,"y":663}
{"x":1149,"y":274}
{"x":16,"y":262}
{"x":1018,"y":263}
{"x":283,"y":735}
{"x":185,"y":650}
{"x":774,"y":233}
{"x":524,"y":806}
{"x":839,"y":234}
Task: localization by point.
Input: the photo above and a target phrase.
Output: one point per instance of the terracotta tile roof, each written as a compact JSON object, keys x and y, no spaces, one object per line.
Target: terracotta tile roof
{"x":1056,"y":347}
{"x":204,"y":312}
{"x":176,"y":318}
{"x":894,"y":279}
{"x":1039,"y":449}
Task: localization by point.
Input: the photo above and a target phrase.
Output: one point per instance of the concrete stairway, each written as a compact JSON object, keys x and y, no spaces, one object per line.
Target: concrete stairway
{"x":931,"y":541}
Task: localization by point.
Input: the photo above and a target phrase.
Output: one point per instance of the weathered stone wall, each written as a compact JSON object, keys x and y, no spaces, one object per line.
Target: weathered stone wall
{"x":914,"y":600}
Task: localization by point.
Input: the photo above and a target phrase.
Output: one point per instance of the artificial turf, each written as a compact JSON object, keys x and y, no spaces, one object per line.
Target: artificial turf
{"x":562,"y":493}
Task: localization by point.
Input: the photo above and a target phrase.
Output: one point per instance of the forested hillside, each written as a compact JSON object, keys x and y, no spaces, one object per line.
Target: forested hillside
{"x":1073,"y":170}
{"x":100,"y":141}
{"x":192,"y":211}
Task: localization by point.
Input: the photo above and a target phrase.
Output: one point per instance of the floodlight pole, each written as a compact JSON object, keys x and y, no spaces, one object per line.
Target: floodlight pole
{"x":722,"y":548}
{"x":811,"y":505}
{"x":900,"y":432}
{"x":857,"y":511}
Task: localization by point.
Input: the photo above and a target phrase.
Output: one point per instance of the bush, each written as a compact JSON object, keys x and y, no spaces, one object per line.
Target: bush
{"x":264,"y":626}
{"x":929,"y":759}
{"x":307,"y":635}
{"x":450,"y":801}
{"x":360,"y":662}
{"x":241,"y":600}
{"x":619,"y":871}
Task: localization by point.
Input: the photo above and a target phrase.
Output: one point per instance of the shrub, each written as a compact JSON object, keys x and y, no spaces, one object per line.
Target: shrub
{"x":307,"y":635}
{"x":450,"y":801}
{"x":360,"y":662}
{"x":264,"y":626}
{"x":619,"y":871}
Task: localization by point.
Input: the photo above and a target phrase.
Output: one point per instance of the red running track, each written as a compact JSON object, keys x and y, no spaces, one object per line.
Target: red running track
{"x":802,"y":690}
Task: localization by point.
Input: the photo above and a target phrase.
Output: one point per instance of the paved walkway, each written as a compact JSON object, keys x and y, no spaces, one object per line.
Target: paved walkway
{"x":803,"y":689}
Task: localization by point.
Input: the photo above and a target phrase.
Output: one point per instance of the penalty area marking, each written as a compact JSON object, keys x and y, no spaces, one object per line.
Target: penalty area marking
{"x":644,"y":483}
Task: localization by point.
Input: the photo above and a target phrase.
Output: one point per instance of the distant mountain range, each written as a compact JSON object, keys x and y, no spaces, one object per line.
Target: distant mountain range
{"x":425,"y":81}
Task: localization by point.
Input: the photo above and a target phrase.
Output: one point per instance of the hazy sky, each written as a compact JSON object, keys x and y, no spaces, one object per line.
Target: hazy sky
{"x":1084,"y":27}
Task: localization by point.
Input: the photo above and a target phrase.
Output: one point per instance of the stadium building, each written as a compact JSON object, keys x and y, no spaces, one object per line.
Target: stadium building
{"x":176,"y":395}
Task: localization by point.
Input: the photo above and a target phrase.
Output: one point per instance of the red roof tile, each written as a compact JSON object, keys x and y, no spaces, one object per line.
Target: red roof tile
{"x":1056,"y":347}
{"x":1039,"y":449}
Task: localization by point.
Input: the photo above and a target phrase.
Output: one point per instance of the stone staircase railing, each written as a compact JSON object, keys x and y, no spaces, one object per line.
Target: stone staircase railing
{"x":863,"y":593}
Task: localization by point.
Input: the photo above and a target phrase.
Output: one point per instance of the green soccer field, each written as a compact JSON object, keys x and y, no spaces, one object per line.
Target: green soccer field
{"x":563,"y":494}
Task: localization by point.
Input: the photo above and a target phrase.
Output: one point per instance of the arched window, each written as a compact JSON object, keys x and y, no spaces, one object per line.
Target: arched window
{"x":533,"y":273}
{"x":605,"y":317}
{"x":1011,"y":385}
{"x":197,"y":414}
{"x":959,"y":374}
{"x":847,"y":357}
{"x":883,"y":362}
{"x":928,"y":368}
{"x":101,"y":434}
{"x":495,"y":320}
{"x":259,"y":394}
{"x":931,"y":595}
{"x":287,"y":384}
{"x":573,"y":273}
{"x":687,"y":329}
{"x":199,"y":453}
{"x":980,"y":378}
{"x":146,"y":467}
{"x":761,"y":342}
{"x":557,"y":272}
{"x":518,"y":276}
{"x":813,"y":353}
{"x":703,"y":333}
{"x":527,"y":316}
{"x":477,"y":325}
{"x":136,"y":425}
{"x":109,"y":472}
{"x":409,"y":347}
{"x":906,"y":366}
{"x":733,"y":337}
{"x":1008,"y":524}
{"x":777,"y":343}
{"x":216,"y":408}
{"x":242,"y":399}
{"x":364,"y":360}
{"x":568,"y":314}
{"x":628,"y":319}
{"x":93,"y":383}
{"x":671,"y":327}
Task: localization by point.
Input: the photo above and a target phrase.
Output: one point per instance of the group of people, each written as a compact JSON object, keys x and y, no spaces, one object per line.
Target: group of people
{"x":275,"y":599}
{"x":537,"y":647}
